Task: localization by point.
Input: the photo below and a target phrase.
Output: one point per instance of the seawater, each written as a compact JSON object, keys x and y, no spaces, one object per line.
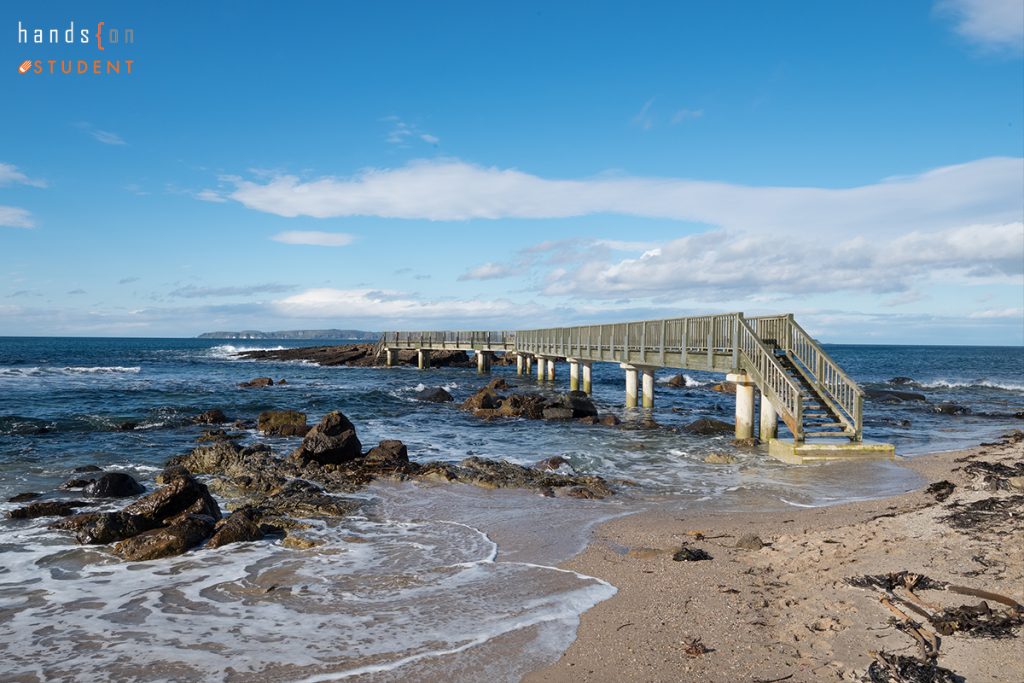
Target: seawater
{"x":428,"y":581}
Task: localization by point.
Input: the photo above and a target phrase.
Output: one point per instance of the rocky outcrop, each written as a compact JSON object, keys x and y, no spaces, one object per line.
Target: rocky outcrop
{"x":48,"y":508}
{"x":93,"y":528}
{"x":488,"y":403}
{"x":182,"y":494}
{"x":951,"y":409}
{"x":331,"y":442}
{"x":214,"y":416}
{"x":891,"y":396}
{"x":282,"y":423}
{"x":114,"y":485}
{"x":23,"y":497}
{"x":724,"y":387}
{"x":183,"y":534}
{"x":433,"y":395}
{"x":707,"y":426}
{"x":390,"y":452}
{"x":257,"y":383}
{"x":502,"y":474}
{"x":362,"y":355}
{"x":241,"y":526}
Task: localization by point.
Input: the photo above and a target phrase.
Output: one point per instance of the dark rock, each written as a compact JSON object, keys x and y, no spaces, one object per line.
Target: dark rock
{"x":578,"y":402}
{"x":180,"y":494}
{"x":387,"y":452}
{"x":282,"y":382}
{"x":748,"y":442}
{"x":503,"y":474}
{"x":333,"y":441}
{"x":48,"y":508}
{"x":282,"y":423}
{"x":186,"y":533}
{"x":552,"y":463}
{"x":218,"y":435}
{"x":724,"y":387}
{"x":678,"y":381}
{"x":22,"y":497}
{"x":890,"y":396}
{"x":241,"y":526}
{"x":557,"y":413}
{"x":214,"y":416}
{"x":75,"y":484}
{"x":609,"y":420}
{"x":951,"y":409}
{"x":900,"y":381}
{"x":87,"y":468}
{"x":497,"y":384}
{"x":103,"y":527}
{"x":257,"y":383}
{"x":720,"y":459}
{"x":433,"y":395}
{"x":530,"y":406}
{"x":172,"y":472}
{"x":127,"y":426}
{"x":485,"y":399}
{"x":688,"y":554}
{"x":707,"y":426}
{"x":114,"y":485}
{"x":750,"y":542}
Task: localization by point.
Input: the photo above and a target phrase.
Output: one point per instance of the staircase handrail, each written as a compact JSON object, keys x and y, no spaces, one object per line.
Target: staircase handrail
{"x":771,"y":378}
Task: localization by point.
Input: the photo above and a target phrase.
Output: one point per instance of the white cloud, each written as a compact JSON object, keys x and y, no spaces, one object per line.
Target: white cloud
{"x":314,"y":238}
{"x":489,"y":271}
{"x":982,"y":191}
{"x":104,"y":136}
{"x":687,"y":114}
{"x":996,"y":24}
{"x":14,"y":217}
{"x":210,"y":196}
{"x":107,"y":138}
{"x":401,"y":133}
{"x":9,"y":175}
{"x":643,"y":118}
{"x":728,"y":266}
{"x":395,"y":307}
{"x":999,"y":313}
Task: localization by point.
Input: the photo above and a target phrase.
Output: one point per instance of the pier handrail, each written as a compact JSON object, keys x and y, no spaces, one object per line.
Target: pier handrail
{"x":845,"y":396}
{"x":771,"y":378}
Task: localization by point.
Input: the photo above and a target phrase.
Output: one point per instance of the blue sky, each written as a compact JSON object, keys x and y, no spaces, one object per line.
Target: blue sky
{"x":482,"y":165}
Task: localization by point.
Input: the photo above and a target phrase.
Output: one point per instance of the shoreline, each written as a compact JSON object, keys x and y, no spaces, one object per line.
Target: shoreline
{"x":784,"y":611}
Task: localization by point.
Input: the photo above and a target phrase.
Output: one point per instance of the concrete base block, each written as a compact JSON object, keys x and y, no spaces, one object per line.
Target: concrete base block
{"x":803,"y":453}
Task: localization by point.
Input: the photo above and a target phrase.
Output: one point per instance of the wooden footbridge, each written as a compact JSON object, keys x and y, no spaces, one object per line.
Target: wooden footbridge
{"x":771,"y":355}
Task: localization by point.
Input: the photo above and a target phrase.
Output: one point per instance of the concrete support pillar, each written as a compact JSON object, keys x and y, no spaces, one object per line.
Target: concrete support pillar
{"x":648,"y":387}
{"x":423,"y":359}
{"x":769,"y":428}
{"x":574,"y":374}
{"x":529,"y":364}
{"x":551,"y":369}
{"x":541,"y":370}
{"x":389,"y":357}
{"x":520,"y":364}
{"x":744,"y":405}
{"x":586,"y":377}
{"x":483,"y":362}
{"x":632,"y":388}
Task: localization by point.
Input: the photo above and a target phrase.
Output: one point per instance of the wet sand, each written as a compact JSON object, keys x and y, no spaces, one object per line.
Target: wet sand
{"x":785,"y":612}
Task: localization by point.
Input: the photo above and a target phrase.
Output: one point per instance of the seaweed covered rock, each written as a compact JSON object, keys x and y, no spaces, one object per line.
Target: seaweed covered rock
{"x":331,"y":442}
{"x":282,"y":423}
{"x":214,"y":416}
{"x":182,"y":494}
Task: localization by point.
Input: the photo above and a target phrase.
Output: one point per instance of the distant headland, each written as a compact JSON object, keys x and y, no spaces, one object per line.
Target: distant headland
{"x":293,"y":334}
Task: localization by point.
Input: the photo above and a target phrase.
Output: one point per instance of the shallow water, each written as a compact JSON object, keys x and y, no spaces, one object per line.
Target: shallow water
{"x":429,"y":579}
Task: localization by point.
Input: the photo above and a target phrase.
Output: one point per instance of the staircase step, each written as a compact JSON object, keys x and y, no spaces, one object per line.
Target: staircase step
{"x":826,"y":434}
{"x":827,"y":425}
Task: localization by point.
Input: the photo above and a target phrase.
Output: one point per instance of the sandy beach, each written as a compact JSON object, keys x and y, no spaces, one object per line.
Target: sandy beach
{"x":785,"y":612}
